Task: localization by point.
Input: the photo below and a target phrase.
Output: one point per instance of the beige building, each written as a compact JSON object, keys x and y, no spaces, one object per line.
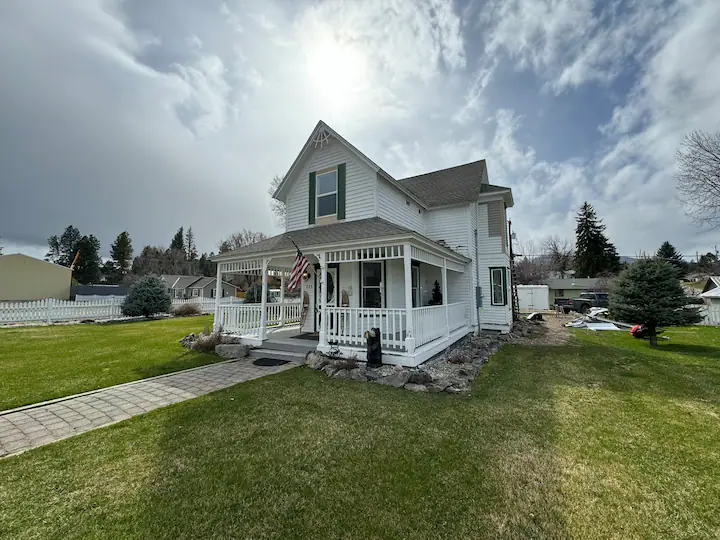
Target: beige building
{"x":27,"y":278}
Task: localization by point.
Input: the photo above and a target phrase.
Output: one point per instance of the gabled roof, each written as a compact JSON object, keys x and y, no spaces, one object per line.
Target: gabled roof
{"x":310,"y":145}
{"x":453,"y":185}
{"x":344,"y":231}
{"x":170,"y":279}
{"x":712,"y":287}
{"x":205,"y":281}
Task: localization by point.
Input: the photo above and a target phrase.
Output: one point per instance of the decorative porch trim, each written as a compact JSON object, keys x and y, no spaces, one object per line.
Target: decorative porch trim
{"x":241,"y":267}
{"x":366,"y":254}
{"x":425,"y":256}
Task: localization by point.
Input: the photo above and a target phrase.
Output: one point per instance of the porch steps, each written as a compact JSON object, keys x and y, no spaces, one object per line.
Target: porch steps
{"x":298,"y":346}
{"x":289,"y":356}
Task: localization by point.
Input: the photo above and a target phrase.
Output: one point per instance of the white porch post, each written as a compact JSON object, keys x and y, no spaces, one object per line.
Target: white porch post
{"x":282,"y":298}
{"x":409,"y":338}
{"x":263,"y":302}
{"x":218,"y":290}
{"x":322,"y":341}
{"x":445,"y":298}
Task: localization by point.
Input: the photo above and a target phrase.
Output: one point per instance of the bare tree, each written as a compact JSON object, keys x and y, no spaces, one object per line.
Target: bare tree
{"x":240,"y":239}
{"x":560,"y":253}
{"x":277,"y":207}
{"x":698,"y":177}
{"x":530,"y":267}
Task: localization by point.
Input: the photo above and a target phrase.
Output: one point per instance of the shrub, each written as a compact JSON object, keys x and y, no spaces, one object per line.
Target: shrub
{"x":187,"y":310}
{"x":207,"y":341}
{"x":147,"y":297}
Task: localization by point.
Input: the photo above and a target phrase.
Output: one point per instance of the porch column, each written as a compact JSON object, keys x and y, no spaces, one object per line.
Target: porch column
{"x":409,"y":338}
{"x":218,"y":291}
{"x":445,"y":298}
{"x":322,"y":338}
{"x":263,"y":302}
{"x":282,"y":298}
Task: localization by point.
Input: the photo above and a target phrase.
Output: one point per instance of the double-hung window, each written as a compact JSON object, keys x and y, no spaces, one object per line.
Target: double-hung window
{"x":371,"y":281}
{"x":498,"y":287}
{"x":326,"y":192}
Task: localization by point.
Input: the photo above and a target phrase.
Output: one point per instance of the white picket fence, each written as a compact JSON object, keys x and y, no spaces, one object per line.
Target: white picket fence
{"x":51,"y":310}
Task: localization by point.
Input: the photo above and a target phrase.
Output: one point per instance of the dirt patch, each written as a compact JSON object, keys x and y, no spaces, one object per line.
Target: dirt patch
{"x":550,"y":331}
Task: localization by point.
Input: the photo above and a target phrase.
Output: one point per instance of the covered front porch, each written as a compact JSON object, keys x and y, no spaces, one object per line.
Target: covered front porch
{"x":416,"y":293}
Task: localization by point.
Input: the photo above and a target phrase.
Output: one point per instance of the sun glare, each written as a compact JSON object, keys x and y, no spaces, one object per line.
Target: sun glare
{"x":337,"y":73}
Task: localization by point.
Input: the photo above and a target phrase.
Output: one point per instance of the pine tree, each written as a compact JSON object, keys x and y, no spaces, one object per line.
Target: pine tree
{"x":648,"y":292}
{"x":121,"y":252}
{"x":147,"y":297}
{"x":190,"y":248}
{"x":62,"y":250}
{"x":88,"y":267}
{"x":669,"y":254}
{"x":436,"y":298}
{"x":594,"y":253}
{"x":178,"y":241}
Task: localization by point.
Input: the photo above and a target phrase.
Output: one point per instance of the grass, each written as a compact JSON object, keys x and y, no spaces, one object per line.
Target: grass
{"x":602,"y":438}
{"x":38,"y":363}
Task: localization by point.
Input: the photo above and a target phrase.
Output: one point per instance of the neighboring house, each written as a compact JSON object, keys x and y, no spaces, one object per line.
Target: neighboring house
{"x":376,"y":247}
{"x":564,"y":289}
{"x":196,"y":287}
{"x":27,"y":278}
{"x":711,"y":291}
{"x":83,"y":293}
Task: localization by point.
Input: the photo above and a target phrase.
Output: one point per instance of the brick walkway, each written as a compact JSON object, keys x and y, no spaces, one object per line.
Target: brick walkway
{"x":35,"y":425}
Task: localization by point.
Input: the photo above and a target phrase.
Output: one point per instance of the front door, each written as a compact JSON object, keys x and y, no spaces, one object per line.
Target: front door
{"x":331,"y":289}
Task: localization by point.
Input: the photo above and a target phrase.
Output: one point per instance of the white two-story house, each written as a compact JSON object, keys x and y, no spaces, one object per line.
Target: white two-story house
{"x":379,"y":249}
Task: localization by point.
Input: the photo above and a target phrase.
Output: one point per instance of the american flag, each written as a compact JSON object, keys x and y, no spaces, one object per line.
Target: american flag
{"x":300,"y":265}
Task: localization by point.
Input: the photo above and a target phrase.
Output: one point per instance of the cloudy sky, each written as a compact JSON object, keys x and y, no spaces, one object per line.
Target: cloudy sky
{"x":145,"y":115}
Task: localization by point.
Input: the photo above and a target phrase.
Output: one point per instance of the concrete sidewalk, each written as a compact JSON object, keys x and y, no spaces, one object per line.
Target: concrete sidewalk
{"x":35,"y":425}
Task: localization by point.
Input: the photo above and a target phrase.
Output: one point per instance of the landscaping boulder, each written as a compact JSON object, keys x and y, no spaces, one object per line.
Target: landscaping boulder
{"x":230,"y":351}
{"x":437,"y":385}
{"x":397,"y":379}
{"x":358,"y":374}
{"x":420,"y":377}
{"x":416,"y":387}
{"x":315,"y":360}
{"x":188,"y":340}
{"x":342,"y":374}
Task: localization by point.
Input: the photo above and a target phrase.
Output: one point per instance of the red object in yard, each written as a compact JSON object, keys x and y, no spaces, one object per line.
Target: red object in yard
{"x":638,"y":331}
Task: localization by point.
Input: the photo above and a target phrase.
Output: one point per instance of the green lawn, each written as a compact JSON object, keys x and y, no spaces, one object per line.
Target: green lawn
{"x":603,"y":438}
{"x":45,"y":362}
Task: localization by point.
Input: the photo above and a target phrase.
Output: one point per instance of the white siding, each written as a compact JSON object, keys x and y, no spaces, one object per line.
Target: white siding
{"x":359,"y":185}
{"x":473,"y":243}
{"x":398,"y":208}
{"x":490,"y":255}
{"x":451,"y":225}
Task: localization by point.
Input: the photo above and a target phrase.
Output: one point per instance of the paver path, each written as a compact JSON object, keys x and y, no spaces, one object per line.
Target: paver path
{"x":35,"y":425}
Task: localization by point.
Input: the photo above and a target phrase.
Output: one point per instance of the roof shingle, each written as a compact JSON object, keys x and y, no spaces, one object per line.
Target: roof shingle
{"x":450,"y":186}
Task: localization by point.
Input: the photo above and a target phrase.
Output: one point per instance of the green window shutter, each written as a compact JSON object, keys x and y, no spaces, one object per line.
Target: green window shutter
{"x":341,"y":191}
{"x":311,"y":206}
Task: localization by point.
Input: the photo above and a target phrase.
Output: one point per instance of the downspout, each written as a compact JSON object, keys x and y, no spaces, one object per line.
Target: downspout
{"x":477,"y":265}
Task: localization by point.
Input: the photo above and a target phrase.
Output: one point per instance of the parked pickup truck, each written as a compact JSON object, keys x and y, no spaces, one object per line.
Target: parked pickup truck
{"x":587,"y":300}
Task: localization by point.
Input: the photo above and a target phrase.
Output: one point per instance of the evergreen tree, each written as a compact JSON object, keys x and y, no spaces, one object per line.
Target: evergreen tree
{"x":62,"y":250}
{"x":648,"y":292}
{"x":669,"y":254}
{"x":147,"y":297}
{"x":87,"y":270}
{"x":178,"y":241}
{"x":436,"y":298}
{"x":121,"y":252}
{"x":190,"y":248}
{"x":594,"y":254}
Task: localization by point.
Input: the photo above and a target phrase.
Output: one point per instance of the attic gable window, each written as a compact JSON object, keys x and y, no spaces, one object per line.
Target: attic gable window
{"x":326,"y":193}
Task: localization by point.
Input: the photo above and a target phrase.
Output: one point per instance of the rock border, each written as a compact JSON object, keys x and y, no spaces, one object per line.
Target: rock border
{"x":451,"y":371}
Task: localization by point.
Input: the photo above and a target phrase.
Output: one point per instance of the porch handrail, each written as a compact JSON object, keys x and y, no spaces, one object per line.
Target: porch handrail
{"x":434,"y":322}
{"x":245,"y":319}
{"x":347,"y":326}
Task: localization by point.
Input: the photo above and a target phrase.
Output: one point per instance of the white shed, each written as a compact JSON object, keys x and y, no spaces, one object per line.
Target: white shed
{"x":533,"y":297}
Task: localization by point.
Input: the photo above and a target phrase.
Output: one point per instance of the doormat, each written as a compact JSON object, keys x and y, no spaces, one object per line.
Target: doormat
{"x":269,"y":362}
{"x":311,"y":336}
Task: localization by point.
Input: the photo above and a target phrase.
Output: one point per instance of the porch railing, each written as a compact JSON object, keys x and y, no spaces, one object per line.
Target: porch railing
{"x":430,"y":323}
{"x":244,"y":319}
{"x":347,"y":326}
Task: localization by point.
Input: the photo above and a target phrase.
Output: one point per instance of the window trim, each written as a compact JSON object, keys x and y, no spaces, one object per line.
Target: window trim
{"x":380,"y":287}
{"x":335,"y":193}
{"x":415,"y":290}
{"x":503,"y":279}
